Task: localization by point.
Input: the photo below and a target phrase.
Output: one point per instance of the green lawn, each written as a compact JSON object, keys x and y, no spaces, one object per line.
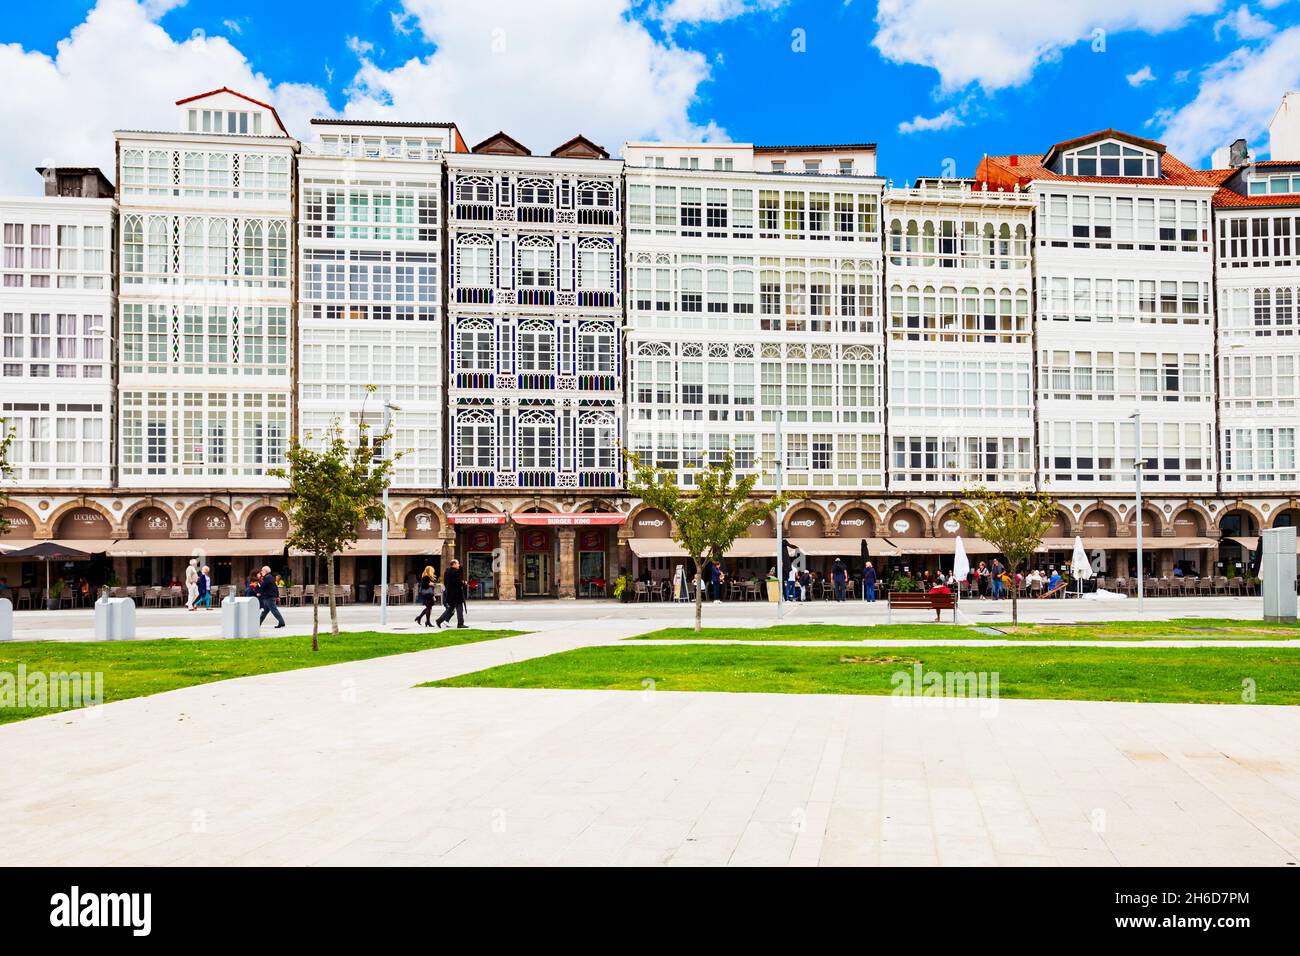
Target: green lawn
{"x":1178,"y":675}
{"x":138,"y":668}
{"x":1208,"y":629}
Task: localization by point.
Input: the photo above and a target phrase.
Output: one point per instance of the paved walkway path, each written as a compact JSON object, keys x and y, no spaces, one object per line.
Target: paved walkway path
{"x":353,"y":764}
{"x":79,"y":625}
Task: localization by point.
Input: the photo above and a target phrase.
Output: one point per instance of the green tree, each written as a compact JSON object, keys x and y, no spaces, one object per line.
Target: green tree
{"x":333,"y":488}
{"x":708,"y":519}
{"x":1015,"y":525}
{"x":6,"y":469}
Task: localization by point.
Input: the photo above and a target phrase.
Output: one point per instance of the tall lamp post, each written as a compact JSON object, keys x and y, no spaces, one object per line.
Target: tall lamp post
{"x":389,"y":408}
{"x":780,"y":515}
{"x":1138,"y":462}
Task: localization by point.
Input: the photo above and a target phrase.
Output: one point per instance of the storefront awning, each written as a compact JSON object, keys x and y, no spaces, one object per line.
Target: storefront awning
{"x":192,"y":547}
{"x":88,"y":545}
{"x":568,"y":521}
{"x":397,"y":547}
{"x":842,"y":547}
{"x":656,"y":548}
{"x":1149,"y":543}
{"x":1251,"y":544}
{"x":753,"y":548}
{"x":941,"y":545}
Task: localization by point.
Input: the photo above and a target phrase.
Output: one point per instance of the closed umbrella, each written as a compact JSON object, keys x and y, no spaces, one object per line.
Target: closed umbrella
{"x":45,"y":552}
{"x":1080,"y":566}
{"x":960,"y":563}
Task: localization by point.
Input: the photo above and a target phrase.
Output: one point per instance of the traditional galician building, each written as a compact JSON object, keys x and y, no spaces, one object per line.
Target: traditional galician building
{"x":204,"y":332}
{"x":57,"y":299}
{"x":1257,"y":251}
{"x":1124,"y":268}
{"x":535,"y":373}
{"x":754,"y":292}
{"x":370,"y":315}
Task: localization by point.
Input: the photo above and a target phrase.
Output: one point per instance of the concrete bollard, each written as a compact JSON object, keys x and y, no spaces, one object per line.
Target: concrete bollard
{"x":239,"y":617}
{"x":114,"y":619}
{"x":6,"y":620}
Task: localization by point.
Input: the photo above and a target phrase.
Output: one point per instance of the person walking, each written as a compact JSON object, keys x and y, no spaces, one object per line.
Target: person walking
{"x":205,"y":589}
{"x":995,"y":580}
{"x":425,"y":594}
{"x":869,"y":583}
{"x":268,"y":595}
{"x":840,"y":579}
{"x":453,"y":596}
{"x":192,"y":584}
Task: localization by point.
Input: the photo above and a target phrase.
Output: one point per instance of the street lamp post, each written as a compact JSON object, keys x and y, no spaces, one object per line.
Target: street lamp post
{"x":780,"y":535}
{"x":1138,"y":461}
{"x":389,"y":408}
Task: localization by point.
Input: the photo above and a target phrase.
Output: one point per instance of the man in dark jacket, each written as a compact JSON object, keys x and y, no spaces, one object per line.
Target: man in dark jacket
{"x":840,"y":578}
{"x":268,"y":595}
{"x":453,"y":596}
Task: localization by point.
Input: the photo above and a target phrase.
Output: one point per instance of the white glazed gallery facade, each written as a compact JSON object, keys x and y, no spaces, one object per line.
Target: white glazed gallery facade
{"x":527,"y":315}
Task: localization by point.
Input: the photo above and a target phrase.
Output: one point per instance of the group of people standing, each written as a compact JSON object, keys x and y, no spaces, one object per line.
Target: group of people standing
{"x":453,"y":596}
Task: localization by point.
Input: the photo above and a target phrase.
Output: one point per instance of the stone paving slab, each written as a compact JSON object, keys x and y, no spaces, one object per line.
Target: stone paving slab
{"x":352,"y":764}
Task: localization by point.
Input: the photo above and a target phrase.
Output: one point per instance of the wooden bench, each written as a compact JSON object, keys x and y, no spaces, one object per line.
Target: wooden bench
{"x":1059,"y":589}
{"x":919,"y":600}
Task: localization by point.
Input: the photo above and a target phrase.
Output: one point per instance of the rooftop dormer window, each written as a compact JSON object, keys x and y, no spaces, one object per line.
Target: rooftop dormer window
{"x":1274,"y":185}
{"x":1111,"y":158}
{"x":240,"y":122}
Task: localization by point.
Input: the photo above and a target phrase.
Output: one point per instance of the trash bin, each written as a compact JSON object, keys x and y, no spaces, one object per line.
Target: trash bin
{"x":773,"y":591}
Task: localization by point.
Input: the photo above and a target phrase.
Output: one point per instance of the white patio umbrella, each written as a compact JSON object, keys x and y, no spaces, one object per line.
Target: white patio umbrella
{"x":960,"y":563}
{"x":1080,"y":566}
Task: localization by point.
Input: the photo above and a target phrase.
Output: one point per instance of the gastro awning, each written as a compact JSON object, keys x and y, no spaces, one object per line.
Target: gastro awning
{"x":1149,"y":543}
{"x":193,"y":547}
{"x":477,"y":517}
{"x":753,"y":548}
{"x":656,"y":548}
{"x":842,"y":547}
{"x":546,"y":519}
{"x":941,"y":545}
{"x":88,"y":545}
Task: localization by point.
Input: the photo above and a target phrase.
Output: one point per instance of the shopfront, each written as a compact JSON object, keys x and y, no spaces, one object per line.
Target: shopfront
{"x":478,"y":545}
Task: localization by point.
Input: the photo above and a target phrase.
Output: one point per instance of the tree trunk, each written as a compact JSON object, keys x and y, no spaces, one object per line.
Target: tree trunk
{"x":315,"y":608}
{"x":334,"y":606}
{"x":699,"y":594}
{"x":1015,"y":611}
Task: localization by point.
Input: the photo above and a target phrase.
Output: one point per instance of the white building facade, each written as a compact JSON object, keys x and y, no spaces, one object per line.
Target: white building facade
{"x":370,"y":309}
{"x":57,"y":301}
{"x":204,"y":333}
{"x":960,"y":353}
{"x":753,"y":293}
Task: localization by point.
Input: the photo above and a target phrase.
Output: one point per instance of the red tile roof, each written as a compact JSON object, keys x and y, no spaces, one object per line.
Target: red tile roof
{"x":1226,"y":198}
{"x":242,"y":96}
{"x":1023,"y":169}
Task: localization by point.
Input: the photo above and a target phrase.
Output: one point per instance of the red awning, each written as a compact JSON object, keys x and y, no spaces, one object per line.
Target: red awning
{"x":477,"y":517}
{"x":566,"y":521}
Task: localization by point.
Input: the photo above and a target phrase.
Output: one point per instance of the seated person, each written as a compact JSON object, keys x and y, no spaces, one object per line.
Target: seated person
{"x":1054,"y":581}
{"x":939,"y":588}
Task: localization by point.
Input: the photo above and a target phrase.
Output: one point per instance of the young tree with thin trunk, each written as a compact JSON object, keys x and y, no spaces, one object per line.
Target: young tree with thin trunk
{"x":708,"y":519}
{"x":1015,"y":526}
{"x":6,"y":469}
{"x":333,"y":488}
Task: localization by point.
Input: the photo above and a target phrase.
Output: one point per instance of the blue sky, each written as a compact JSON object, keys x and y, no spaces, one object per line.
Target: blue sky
{"x":936,"y":83}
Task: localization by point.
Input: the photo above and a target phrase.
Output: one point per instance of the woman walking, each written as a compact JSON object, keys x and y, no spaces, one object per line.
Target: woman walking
{"x":425,"y":594}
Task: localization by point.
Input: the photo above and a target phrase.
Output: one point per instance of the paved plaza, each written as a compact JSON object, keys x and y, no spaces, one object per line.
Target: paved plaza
{"x":353,"y":764}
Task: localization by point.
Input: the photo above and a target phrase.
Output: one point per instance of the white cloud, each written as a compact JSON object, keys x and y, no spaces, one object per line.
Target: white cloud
{"x":1237,"y":97}
{"x":928,"y":124}
{"x":1142,"y":76}
{"x":1244,"y":24}
{"x":999,"y":43}
{"x":118,"y":70}
{"x":542,"y":72}
{"x":710,"y":11}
